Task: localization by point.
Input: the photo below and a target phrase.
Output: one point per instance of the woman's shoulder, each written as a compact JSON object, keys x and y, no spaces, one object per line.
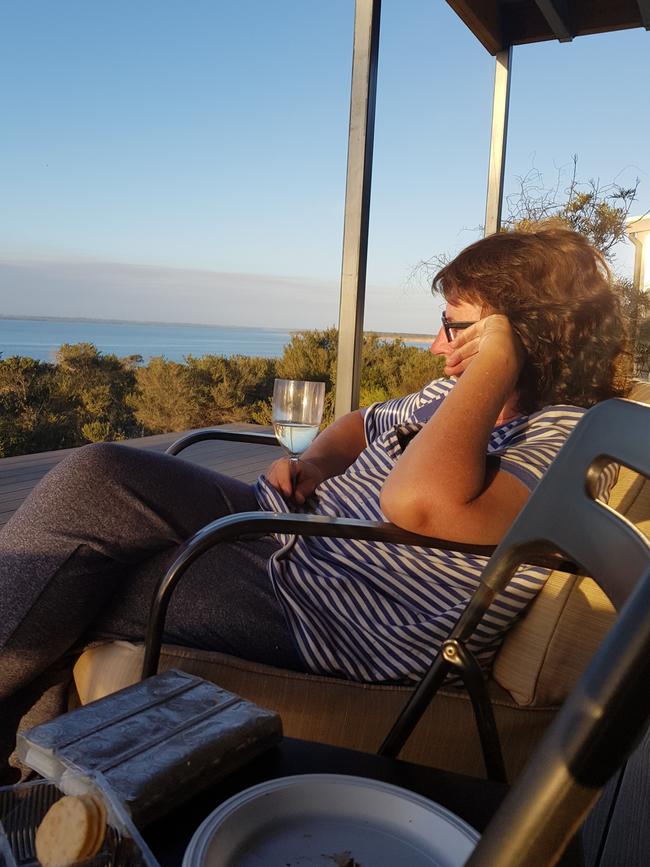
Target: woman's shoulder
{"x":550,"y":421}
{"x":560,"y":414}
{"x":438,"y":388}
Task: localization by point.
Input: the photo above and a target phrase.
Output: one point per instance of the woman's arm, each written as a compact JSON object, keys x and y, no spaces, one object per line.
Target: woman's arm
{"x":444,"y":485}
{"x":330,"y":454}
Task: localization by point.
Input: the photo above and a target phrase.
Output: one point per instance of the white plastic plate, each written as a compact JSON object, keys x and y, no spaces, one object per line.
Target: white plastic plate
{"x":330,"y":820}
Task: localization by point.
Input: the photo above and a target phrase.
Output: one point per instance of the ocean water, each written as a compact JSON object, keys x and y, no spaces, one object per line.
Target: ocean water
{"x":40,"y":338}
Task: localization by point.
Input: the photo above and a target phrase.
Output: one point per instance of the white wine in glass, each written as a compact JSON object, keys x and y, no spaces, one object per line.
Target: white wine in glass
{"x":297,"y":414}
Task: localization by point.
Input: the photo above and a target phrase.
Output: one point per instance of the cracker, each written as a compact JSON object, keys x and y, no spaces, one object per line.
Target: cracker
{"x":100,"y":823}
{"x":72,"y":830}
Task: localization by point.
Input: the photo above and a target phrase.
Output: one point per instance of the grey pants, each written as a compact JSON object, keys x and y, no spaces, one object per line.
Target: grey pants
{"x":80,"y":559}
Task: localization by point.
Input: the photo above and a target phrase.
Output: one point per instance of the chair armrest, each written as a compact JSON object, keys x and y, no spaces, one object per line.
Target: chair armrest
{"x":262,"y":523}
{"x":238,"y":436}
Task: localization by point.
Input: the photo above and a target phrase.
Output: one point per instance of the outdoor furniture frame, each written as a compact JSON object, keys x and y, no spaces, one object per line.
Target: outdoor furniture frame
{"x":597,"y":729}
{"x":553,"y":545}
{"x":535,"y":669}
{"x":608,"y":711}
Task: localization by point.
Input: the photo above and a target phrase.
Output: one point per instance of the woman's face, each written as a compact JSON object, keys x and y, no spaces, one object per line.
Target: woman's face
{"x":456,"y":311}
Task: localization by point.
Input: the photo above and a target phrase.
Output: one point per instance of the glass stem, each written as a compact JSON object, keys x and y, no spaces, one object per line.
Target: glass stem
{"x":293,"y":471}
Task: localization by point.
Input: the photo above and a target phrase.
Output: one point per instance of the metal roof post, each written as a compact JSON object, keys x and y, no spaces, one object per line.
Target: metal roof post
{"x":357,"y":203}
{"x":497,"y":165}
{"x":638,"y":231}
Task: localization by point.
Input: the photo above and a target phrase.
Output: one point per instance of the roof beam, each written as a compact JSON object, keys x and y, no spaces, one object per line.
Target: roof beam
{"x":644,"y":9}
{"x":482,"y":18}
{"x":501,"y":23}
{"x":556,"y":14}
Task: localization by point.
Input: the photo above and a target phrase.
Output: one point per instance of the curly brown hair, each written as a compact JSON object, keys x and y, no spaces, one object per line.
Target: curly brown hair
{"x":557,"y":292}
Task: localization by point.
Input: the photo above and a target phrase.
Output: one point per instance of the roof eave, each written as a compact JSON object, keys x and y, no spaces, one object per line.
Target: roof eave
{"x":498,"y":24}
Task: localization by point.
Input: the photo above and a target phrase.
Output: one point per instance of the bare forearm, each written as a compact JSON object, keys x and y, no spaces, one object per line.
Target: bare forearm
{"x":338,"y":446}
{"x":443,"y":485}
{"x":454,"y":443}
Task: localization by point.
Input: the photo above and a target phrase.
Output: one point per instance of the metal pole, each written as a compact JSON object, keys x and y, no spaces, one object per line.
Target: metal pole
{"x":638,"y":230}
{"x":357,"y":203}
{"x":639,"y":262}
{"x":641,"y":241}
{"x":496,"y":170}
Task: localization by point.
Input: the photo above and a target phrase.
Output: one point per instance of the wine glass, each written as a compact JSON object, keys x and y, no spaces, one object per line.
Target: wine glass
{"x":297,"y":414}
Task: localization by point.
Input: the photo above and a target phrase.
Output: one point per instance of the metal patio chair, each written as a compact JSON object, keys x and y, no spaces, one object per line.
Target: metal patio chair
{"x":608,"y":711}
{"x":562,"y":526}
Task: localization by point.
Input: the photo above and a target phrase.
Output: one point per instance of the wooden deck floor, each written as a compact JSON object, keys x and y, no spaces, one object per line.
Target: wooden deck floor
{"x":617,"y":834}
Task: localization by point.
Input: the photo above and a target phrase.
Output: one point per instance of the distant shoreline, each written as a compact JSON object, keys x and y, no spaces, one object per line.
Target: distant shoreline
{"x":4,"y":316}
{"x":386,"y":335}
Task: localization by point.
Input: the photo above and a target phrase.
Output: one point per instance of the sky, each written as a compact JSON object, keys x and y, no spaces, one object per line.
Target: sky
{"x":185,"y":161}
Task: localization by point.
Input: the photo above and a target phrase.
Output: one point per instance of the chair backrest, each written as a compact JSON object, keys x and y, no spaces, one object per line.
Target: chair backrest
{"x":565,"y":516}
{"x":598,"y":727}
{"x":608,"y":710}
{"x":544,"y":654}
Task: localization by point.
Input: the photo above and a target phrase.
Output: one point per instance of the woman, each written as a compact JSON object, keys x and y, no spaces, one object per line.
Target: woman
{"x":532,"y":335}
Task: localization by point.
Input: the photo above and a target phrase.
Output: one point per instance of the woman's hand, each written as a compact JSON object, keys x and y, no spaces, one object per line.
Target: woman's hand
{"x":307,"y":475}
{"x":330,"y":454}
{"x":443,"y":484}
{"x":494,"y":330}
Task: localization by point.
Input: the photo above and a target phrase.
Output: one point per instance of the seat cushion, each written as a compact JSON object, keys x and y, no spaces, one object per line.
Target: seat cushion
{"x":544,"y":654}
{"x":330,"y":710}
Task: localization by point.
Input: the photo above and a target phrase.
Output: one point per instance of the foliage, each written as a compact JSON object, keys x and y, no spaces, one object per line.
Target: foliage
{"x":636,"y":307}
{"x":642,"y":347}
{"x":595,"y":210}
{"x":230,"y":389}
{"x":161,"y":398}
{"x":92,"y":389}
{"x":82,"y":398}
{"x":28,"y":419}
{"x":598,"y":211}
{"x":87,"y":396}
{"x":310,"y":355}
{"x":204,"y":391}
{"x":391,"y":368}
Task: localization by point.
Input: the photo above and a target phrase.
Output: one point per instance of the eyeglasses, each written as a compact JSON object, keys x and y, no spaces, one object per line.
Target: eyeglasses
{"x":450,"y":327}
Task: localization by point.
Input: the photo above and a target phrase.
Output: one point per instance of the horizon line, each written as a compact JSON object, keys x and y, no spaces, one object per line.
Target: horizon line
{"x":46,"y":318}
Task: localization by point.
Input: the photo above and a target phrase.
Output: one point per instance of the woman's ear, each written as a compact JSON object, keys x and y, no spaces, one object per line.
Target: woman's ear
{"x":486,"y":310}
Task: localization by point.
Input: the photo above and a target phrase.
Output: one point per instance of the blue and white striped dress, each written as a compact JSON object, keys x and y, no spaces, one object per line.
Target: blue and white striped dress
{"x":373,"y":611}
